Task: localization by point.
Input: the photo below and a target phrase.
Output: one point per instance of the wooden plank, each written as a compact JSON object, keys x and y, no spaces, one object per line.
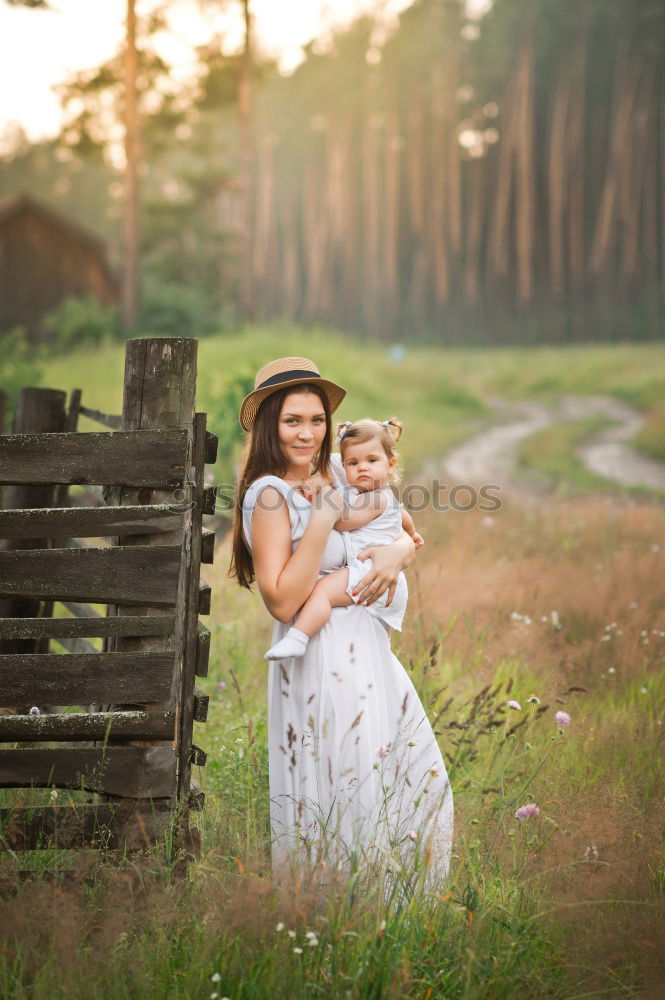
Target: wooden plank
{"x":132,"y":772}
{"x":207,"y":546}
{"x":58,"y":628}
{"x":133,"y":824}
{"x":197,"y":756}
{"x":201,"y":702}
{"x":113,"y":420}
{"x":131,"y":574}
{"x":209,"y":500}
{"x":204,"y":598}
{"x":153,"y":458}
{"x":202,"y":650}
{"x":72,"y":726}
{"x":211,"y":448}
{"x":82,"y":679}
{"x":198,"y":601}
{"x":89,"y":522}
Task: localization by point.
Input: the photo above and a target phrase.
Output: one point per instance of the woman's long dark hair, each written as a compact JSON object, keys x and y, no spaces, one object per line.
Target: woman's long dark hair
{"x":263,"y":456}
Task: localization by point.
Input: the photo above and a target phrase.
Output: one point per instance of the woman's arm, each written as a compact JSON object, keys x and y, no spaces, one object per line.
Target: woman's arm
{"x":387,"y":563}
{"x":285,"y":579}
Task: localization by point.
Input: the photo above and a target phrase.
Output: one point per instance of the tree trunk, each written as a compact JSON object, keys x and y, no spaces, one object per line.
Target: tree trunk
{"x":130,"y":282}
{"x":245,"y":124}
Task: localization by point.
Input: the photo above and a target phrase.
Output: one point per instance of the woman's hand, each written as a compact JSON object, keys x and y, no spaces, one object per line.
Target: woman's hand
{"x":327,"y":504}
{"x":387,"y":563}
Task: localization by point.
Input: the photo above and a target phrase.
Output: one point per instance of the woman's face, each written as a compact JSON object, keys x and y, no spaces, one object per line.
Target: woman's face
{"x":302,"y":429}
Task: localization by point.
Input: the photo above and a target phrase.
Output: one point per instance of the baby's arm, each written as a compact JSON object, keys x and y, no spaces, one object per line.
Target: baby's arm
{"x":410,"y":528}
{"x":365,"y":508}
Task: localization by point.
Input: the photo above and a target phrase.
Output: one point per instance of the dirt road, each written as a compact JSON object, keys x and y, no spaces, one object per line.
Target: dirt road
{"x":490,"y":456}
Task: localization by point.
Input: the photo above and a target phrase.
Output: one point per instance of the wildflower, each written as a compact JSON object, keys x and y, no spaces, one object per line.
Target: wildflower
{"x":611,"y":670}
{"x":413,"y":835}
{"x":562,"y":719}
{"x":644,"y":690}
{"x":221,"y":685}
{"x":215,"y":978}
{"x":280,"y":926}
{"x":606,"y":637}
{"x":35,"y":711}
{"x":533,"y":700}
{"x":297,"y":951}
{"x":514,"y":704}
{"x":516,"y":616}
{"x":382,"y":753}
{"x":291,"y":934}
{"x":554,"y":620}
{"x":591,"y":852}
{"x":213,"y":996}
{"x":524,"y":812}
{"x":54,"y":794}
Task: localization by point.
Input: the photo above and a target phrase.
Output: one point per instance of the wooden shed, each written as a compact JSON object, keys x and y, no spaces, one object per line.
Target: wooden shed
{"x":45,"y":257}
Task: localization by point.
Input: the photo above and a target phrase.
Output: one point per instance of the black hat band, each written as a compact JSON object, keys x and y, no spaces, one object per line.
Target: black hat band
{"x":286,"y":377}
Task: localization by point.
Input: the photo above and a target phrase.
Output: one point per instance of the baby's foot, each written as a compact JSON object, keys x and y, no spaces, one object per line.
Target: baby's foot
{"x":294,"y":643}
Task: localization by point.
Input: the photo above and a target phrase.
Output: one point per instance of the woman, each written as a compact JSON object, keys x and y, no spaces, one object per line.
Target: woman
{"x":355,"y":770}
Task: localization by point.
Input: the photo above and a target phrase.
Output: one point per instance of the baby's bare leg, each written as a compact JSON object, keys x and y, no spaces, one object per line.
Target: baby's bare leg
{"x":329,"y":593}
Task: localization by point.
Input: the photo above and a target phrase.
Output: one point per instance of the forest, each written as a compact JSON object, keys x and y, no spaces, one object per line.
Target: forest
{"x":432,"y":177}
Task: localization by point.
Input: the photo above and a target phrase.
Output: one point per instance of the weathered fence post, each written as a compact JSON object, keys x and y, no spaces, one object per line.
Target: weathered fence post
{"x":159,"y":393}
{"x":37,"y":411}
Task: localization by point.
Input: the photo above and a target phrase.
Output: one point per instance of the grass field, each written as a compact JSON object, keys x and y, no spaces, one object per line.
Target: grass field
{"x":560,"y":600}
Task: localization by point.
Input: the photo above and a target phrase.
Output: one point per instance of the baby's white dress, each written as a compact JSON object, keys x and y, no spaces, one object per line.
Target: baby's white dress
{"x":385,"y":528}
{"x":355,"y":769}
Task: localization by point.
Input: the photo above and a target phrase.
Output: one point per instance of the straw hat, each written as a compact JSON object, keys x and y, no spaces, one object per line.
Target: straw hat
{"x":281,"y":373}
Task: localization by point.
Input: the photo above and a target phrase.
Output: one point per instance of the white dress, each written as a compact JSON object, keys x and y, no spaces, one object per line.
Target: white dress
{"x":356,"y":774}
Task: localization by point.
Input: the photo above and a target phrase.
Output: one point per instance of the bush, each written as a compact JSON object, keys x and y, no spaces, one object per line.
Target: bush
{"x":222,"y":408}
{"x":172,"y":310}
{"x":81,"y":322}
{"x":19,"y":366}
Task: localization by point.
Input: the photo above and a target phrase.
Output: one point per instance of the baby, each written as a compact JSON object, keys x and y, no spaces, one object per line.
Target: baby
{"x":372,"y":516}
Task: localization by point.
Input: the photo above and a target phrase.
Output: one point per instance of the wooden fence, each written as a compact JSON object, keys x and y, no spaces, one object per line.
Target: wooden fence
{"x":115,"y":723}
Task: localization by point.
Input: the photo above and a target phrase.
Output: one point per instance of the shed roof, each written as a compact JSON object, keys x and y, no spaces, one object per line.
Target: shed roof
{"x":15,"y":203}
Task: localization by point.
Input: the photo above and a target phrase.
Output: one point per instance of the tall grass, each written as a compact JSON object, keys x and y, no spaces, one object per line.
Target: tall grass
{"x":567,"y":903}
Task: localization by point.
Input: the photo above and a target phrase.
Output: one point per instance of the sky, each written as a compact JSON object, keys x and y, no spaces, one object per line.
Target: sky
{"x":39,"y":48}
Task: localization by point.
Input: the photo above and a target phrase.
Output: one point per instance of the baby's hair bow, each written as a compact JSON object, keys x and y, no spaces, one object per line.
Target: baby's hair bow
{"x":341,"y":430}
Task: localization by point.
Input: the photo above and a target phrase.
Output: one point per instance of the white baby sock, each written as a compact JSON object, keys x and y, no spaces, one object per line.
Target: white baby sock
{"x":294,"y":643}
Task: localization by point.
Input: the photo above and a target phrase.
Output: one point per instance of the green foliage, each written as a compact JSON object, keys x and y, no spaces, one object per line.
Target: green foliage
{"x":172,"y":310}
{"x":222,"y":409}
{"x":20,"y":366}
{"x":81,"y":322}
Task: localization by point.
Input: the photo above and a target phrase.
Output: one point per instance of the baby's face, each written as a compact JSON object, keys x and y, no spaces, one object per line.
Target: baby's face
{"x":366,"y":465}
